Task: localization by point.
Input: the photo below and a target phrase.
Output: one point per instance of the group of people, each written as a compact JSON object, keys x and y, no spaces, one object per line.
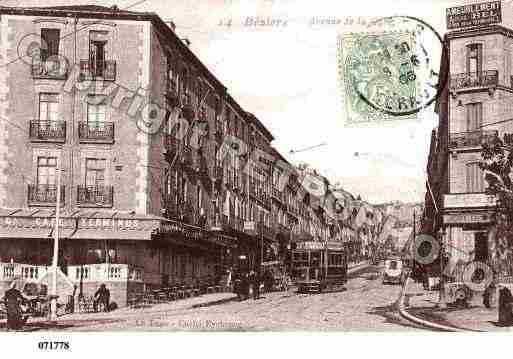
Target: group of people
{"x":17,"y":314}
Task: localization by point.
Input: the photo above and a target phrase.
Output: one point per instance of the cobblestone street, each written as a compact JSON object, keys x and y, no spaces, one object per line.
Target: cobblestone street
{"x":365,"y":304}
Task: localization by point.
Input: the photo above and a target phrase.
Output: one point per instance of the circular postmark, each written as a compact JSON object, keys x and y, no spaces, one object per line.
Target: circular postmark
{"x":395,"y":66}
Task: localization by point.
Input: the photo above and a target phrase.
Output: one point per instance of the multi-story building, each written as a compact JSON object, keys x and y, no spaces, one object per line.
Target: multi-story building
{"x":473,"y":109}
{"x":164,"y":179}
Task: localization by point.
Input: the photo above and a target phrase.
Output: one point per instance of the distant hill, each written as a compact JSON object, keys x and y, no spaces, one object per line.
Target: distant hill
{"x":402,"y":211}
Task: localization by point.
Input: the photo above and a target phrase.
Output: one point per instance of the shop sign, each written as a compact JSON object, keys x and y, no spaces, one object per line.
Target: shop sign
{"x":310,"y":245}
{"x":118,"y":224}
{"x":34,"y":222}
{"x":474,"y":15}
{"x":461,"y":218}
{"x":177,"y":228}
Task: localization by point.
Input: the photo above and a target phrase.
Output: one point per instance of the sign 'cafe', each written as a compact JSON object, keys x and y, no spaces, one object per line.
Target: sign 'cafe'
{"x":119,"y":226}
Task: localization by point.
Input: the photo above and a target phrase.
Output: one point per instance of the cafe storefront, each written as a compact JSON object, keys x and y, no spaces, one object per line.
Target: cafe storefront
{"x":126,"y":252}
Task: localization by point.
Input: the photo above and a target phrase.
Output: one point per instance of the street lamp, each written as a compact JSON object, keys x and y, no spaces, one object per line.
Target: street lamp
{"x":55,"y":259}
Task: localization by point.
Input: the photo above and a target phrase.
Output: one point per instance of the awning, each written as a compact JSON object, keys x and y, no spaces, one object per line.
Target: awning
{"x":185,"y":234}
{"x":105,"y":225}
{"x":33,"y":224}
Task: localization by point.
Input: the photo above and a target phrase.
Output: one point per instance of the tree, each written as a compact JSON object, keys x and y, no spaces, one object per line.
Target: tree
{"x":496,"y":163}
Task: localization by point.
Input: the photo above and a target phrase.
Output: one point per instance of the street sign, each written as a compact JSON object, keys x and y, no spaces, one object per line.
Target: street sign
{"x":463,"y":218}
{"x":474,"y":15}
{"x":249,"y":226}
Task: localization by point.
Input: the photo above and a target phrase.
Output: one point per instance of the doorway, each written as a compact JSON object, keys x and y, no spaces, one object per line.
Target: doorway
{"x":481,"y":247}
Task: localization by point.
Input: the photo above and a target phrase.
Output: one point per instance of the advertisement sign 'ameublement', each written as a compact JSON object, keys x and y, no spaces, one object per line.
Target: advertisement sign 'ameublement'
{"x":474,"y":15}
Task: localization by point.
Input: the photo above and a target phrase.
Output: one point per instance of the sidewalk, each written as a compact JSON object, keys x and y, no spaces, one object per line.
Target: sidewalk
{"x":475,"y":317}
{"x":124,"y":314}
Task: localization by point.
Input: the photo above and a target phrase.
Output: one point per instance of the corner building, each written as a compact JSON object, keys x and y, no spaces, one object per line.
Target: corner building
{"x":473,"y":109}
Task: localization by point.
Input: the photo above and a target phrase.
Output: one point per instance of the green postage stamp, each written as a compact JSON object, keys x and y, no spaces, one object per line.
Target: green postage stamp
{"x":378,"y":76}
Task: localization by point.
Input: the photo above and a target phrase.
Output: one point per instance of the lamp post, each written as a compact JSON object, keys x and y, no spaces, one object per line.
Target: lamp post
{"x":441,"y":300}
{"x":55,"y":259}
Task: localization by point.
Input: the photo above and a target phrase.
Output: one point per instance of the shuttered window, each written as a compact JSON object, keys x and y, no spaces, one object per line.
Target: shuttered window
{"x":474,"y":178}
{"x":474,"y":116}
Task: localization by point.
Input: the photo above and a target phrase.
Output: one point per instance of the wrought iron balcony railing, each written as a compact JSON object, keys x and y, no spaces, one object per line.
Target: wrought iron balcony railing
{"x":277,"y":194}
{"x":101,"y":196}
{"x":96,"y":132}
{"x":92,"y":71}
{"x":47,"y":131}
{"x":217,"y":173}
{"x":475,"y":79}
{"x":471,"y":139}
{"x":44,"y":194}
{"x":172,"y":95}
{"x":52,"y":69}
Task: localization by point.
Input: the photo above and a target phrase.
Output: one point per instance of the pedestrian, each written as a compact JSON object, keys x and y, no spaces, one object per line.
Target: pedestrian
{"x":229,"y":278}
{"x":255,"y":283}
{"x":237,"y":287}
{"x":245,"y":286}
{"x":102,"y":298}
{"x":13,"y":300}
{"x":505,"y":307}
{"x":488,"y":295}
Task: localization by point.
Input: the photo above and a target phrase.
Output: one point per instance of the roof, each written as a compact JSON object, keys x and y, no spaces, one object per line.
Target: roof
{"x":260,"y":126}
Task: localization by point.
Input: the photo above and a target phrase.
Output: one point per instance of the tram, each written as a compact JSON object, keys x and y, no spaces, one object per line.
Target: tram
{"x":317,"y":266}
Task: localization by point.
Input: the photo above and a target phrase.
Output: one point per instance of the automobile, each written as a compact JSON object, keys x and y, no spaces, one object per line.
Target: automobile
{"x":394,"y":271}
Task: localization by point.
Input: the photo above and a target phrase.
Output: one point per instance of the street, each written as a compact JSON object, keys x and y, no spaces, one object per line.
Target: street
{"x":366,"y":304}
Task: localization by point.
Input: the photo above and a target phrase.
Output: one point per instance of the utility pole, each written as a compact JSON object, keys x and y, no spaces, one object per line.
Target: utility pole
{"x":55,"y":260}
{"x":442,"y":303}
{"x":413,"y":241}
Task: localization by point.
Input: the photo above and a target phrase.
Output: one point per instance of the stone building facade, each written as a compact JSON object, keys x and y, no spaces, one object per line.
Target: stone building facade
{"x":473,"y":109}
{"x":165,"y":179}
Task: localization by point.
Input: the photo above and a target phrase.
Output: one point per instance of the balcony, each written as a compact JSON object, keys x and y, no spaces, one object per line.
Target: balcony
{"x":199,"y":164}
{"x":292,"y":210}
{"x":44,"y":194}
{"x":278,"y":195}
{"x":474,"y":80}
{"x":101,"y":132}
{"x":105,"y":272}
{"x":172,"y":97}
{"x":90,"y":71}
{"x":185,"y":156}
{"x":471,"y":139}
{"x":468,"y":200}
{"x":47,"y":131}
{"x":49,"y":69}
{"x":27,"y":272}
{"x":95,"y":196}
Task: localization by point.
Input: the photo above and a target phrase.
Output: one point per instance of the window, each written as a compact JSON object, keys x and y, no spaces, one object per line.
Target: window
{"x":183,"y":188}
{"x":46,"y":170}
{"x":474,"y":58}
{"x":48,"y":109}
{"x":97,"y":51}
{"x":474,"y":178}
{"x":96,"y":112}
{"x":95,"y":172}
{"x":49,"y":43}
{"x":474,"y":116}
{"x":199,"y":197}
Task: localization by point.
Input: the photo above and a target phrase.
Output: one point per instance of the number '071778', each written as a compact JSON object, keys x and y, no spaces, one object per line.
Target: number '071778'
{"x":53,"y":345}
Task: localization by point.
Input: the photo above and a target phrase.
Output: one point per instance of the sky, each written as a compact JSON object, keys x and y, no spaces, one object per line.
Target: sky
{"x":287,"y":75}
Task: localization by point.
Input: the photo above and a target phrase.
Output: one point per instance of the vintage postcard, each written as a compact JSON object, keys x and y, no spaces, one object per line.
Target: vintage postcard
{"x":262,"y":166}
